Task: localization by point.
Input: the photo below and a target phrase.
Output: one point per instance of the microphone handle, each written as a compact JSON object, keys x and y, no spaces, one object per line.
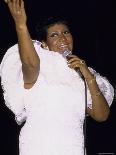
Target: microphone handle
{"x":66,"y":55}
{"x":77,"y":69}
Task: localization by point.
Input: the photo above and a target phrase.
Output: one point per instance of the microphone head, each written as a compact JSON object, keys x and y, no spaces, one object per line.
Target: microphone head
{"x":66,"y":53}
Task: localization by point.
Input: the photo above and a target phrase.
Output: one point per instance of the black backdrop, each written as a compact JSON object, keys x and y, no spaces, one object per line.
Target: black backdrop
{"x":94,"y":25}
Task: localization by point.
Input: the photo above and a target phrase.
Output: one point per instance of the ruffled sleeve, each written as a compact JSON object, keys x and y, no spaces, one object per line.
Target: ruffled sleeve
{"x":105,"y":87}
{"x":12,"y":83}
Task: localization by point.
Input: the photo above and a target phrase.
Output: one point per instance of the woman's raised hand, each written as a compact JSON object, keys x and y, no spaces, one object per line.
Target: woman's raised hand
{"x":17,"y":11}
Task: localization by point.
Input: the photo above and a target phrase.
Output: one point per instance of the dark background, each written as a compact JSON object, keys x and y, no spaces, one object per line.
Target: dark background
{"x":94,"y":26}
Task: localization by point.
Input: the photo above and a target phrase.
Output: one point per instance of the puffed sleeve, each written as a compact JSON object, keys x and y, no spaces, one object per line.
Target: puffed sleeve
{"x":12,"y":83}
{"x":105,"y":87}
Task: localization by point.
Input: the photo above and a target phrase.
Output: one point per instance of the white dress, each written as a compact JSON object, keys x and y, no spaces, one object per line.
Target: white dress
{"x":54,"y":108}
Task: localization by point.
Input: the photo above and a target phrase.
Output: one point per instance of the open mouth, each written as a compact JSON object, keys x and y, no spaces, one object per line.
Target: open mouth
{"x":63,"y":47}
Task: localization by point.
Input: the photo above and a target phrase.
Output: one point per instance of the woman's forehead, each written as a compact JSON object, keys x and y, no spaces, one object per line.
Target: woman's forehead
{"x":57,"y":27}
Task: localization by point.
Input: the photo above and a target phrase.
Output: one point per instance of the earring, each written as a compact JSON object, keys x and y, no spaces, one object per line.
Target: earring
{"x":43,"y":45}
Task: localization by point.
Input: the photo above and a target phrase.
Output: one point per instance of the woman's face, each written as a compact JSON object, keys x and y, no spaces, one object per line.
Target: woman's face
{"x":59,"y":38}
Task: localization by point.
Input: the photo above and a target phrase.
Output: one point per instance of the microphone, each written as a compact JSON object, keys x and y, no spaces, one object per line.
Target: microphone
{"x":66,"y":55}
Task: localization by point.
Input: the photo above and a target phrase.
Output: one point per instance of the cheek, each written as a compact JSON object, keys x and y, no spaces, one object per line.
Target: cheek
{"x":51,"y":45}
{"x":71,"y":39}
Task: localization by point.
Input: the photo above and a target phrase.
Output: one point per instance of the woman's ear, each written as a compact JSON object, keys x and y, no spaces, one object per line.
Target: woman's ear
{"x":44,"y":45}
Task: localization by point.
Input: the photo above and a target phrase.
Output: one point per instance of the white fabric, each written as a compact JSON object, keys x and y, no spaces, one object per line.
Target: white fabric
{"x":54,"y":108}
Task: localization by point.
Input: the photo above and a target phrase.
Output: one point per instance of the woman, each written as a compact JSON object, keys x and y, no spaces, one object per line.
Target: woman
{"x":46,"y":92}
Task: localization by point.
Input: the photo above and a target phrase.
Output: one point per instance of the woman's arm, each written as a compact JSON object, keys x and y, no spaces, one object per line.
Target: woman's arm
{"x":29,"y":58}
{"x":100,"y":108}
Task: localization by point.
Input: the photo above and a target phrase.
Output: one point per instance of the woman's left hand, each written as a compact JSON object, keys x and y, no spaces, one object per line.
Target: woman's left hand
{"x":75,"y":62}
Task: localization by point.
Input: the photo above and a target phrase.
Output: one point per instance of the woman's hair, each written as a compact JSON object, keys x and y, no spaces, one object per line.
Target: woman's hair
{"x":43,"y":25}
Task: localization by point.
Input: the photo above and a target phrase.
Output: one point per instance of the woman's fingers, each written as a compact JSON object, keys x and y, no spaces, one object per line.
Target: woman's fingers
{"x":15,"y":5}
{"x":21,"y":4}
{"x":73,"y":58}
{"x":17,"y":11}
{"x":7,"y":1}
{"x":74,"y":62}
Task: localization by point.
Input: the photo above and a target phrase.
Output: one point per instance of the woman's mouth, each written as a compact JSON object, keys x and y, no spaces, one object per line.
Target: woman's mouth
{"x":63,"y":47}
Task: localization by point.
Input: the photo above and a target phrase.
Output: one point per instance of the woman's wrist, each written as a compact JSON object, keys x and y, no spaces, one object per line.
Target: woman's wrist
{"x":88,"y":75}
{"x":21,"y":27}
{"x":92,"y":80}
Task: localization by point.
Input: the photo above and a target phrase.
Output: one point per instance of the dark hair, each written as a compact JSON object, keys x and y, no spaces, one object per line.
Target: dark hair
{"x":43,"y":25}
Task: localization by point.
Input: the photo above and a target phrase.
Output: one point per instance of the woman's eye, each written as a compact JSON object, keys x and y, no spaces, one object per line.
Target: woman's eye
{"x":54,"y":35}
{"x":66,"y":32}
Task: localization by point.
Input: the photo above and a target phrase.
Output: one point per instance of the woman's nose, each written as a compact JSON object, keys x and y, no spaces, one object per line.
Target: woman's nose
{"x":62,"y":37}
